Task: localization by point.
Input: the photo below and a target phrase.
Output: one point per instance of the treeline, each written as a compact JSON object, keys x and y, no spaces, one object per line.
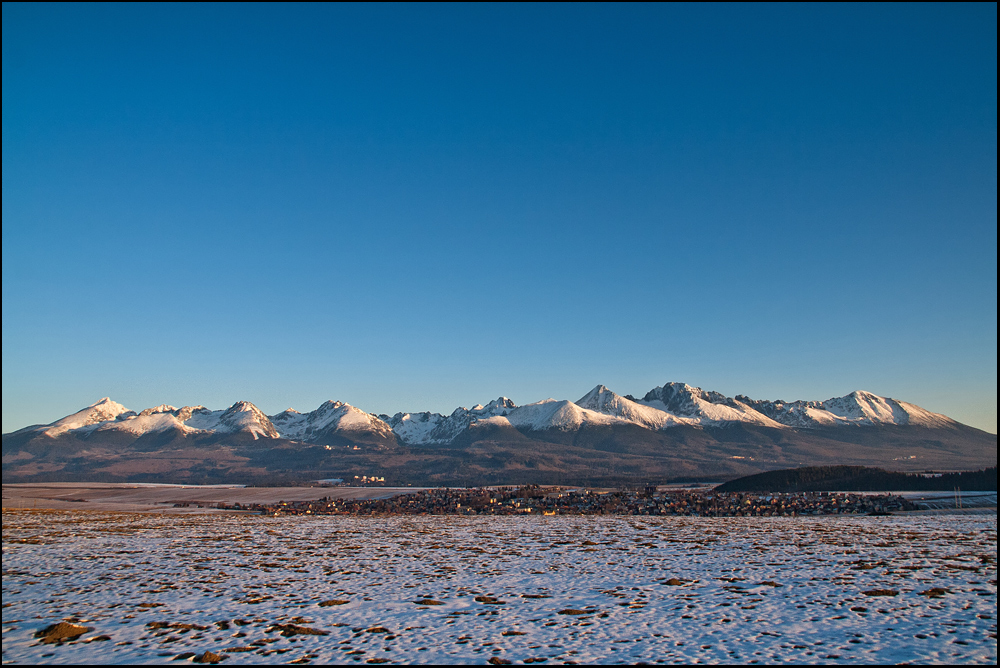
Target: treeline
{"x":859,"y":479}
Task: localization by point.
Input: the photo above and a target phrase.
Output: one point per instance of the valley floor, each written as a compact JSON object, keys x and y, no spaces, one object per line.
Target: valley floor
{"x":148,"y":588}
{"x":138,"y":497}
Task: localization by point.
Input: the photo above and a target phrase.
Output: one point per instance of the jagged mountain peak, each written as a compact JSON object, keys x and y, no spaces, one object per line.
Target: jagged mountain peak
{"x":859,"y":408}
{"x":243,"y":416}
{"x":605,"y":401}
{"x":704,"y":407}
{"x":427,"y":428}
{"x":162,"y":408}
{"x":330,"y":418}
{"x":244,"y":407}
{"x":104,"y":406}
{"x":682,"y":394}
{"x":498,"y":403}
{"x":100,"y":411}
{"x":561,"y":415}
{"x":597,"y":396}
{"x":866,"y":408}
{"x":105,"y":401}
{"x":183,"y":414}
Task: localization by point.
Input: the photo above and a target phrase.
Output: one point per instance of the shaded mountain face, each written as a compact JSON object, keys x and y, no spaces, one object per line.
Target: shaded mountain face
{"x":674,"y":430}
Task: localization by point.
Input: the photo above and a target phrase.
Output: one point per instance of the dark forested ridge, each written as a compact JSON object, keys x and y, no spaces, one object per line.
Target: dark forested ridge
{"x":490,"y":454}
{"x":859,"y":479}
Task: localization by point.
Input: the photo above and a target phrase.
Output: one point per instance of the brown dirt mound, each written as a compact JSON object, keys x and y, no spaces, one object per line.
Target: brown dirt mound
{"x":62,"y":632}
{"x":289,"y":630}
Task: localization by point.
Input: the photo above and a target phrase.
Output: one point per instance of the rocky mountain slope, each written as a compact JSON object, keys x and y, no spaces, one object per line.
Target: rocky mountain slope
{"x":674,"y":431}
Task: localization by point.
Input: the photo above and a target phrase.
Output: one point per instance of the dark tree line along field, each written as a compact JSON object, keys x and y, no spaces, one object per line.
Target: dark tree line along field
{"x":860,"y":479}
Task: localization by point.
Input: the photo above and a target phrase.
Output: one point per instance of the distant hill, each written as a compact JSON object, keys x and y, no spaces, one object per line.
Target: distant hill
{"x":675,"y":432}
{"x":859,"y":479}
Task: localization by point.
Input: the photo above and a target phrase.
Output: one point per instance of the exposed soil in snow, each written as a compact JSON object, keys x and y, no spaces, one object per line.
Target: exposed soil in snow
{"x":150,"y":588}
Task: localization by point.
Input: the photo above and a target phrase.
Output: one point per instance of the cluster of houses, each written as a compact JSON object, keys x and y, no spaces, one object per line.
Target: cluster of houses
{"x":537,"y":500}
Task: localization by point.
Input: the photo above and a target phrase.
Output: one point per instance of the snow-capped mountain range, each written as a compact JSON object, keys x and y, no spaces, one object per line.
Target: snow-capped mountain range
{"x":662,"y":408}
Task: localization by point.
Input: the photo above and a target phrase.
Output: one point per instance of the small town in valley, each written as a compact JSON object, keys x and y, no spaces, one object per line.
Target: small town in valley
{"x":536,"y":500}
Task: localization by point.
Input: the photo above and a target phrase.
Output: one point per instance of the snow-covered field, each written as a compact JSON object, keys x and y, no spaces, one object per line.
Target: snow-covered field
{"x":550,"y":589}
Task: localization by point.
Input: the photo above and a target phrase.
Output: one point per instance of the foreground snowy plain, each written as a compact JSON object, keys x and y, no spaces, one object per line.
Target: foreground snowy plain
{"x":563,"y":589}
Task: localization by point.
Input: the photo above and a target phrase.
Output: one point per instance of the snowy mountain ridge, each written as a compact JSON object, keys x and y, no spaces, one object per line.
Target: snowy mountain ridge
{"x":331,"y":416}
{"x":425,"y":428}
{"x":667,"y":406}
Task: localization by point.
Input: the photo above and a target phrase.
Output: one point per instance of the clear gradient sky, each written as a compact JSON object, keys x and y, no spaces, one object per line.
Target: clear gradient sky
{"x":416,"y":207}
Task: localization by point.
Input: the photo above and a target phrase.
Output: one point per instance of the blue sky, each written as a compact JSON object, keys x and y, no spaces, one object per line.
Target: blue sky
{"x":420,"y":207}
